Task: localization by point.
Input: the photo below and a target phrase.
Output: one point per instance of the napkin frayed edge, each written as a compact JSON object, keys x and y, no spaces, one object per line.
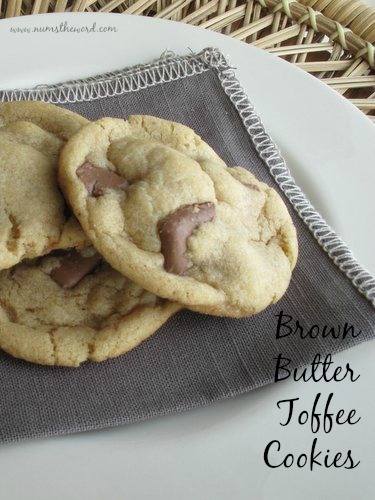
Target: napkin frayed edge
{"x":171,"y":67}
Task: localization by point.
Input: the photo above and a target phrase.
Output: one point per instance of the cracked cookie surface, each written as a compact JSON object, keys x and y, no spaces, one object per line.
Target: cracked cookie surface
{"x":185,"y":226}
{"x":33,"y":215}
{"x":101,"y":317}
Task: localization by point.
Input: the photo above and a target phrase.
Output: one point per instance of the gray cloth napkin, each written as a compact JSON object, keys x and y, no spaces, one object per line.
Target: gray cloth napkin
{"x":194,"y":359}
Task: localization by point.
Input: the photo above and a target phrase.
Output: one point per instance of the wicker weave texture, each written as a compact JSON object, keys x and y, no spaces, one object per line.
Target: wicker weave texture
{"x":331,"y":39}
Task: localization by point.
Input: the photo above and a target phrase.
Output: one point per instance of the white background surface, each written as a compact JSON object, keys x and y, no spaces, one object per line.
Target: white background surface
{"x":215,"y":452}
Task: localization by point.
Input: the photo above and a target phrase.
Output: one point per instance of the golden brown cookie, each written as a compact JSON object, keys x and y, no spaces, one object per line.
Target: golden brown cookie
{"x":33,"y":214}
{"x":58,"y":121}
{"x":166,"y":212}
{"x":68,"y":307}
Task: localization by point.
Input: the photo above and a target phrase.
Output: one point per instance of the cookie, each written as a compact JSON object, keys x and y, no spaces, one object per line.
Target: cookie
{"x":166,"y":212}
{"x":68,"y":307}
{"x":57,"y":121}
{"x":34,"y":217}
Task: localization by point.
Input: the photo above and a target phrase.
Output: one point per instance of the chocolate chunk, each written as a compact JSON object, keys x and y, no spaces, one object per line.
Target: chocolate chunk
{"x":74,"y":267}
{"x":97,"y":179}
{"x":251,"y":186}
{"x":175,"y":229}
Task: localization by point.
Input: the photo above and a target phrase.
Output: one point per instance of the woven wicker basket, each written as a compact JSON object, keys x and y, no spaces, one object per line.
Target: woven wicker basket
{"x":331,"y":39}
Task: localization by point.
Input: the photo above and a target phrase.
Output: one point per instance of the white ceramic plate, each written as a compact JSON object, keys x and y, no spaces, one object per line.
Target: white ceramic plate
{"x":216,"y":452}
